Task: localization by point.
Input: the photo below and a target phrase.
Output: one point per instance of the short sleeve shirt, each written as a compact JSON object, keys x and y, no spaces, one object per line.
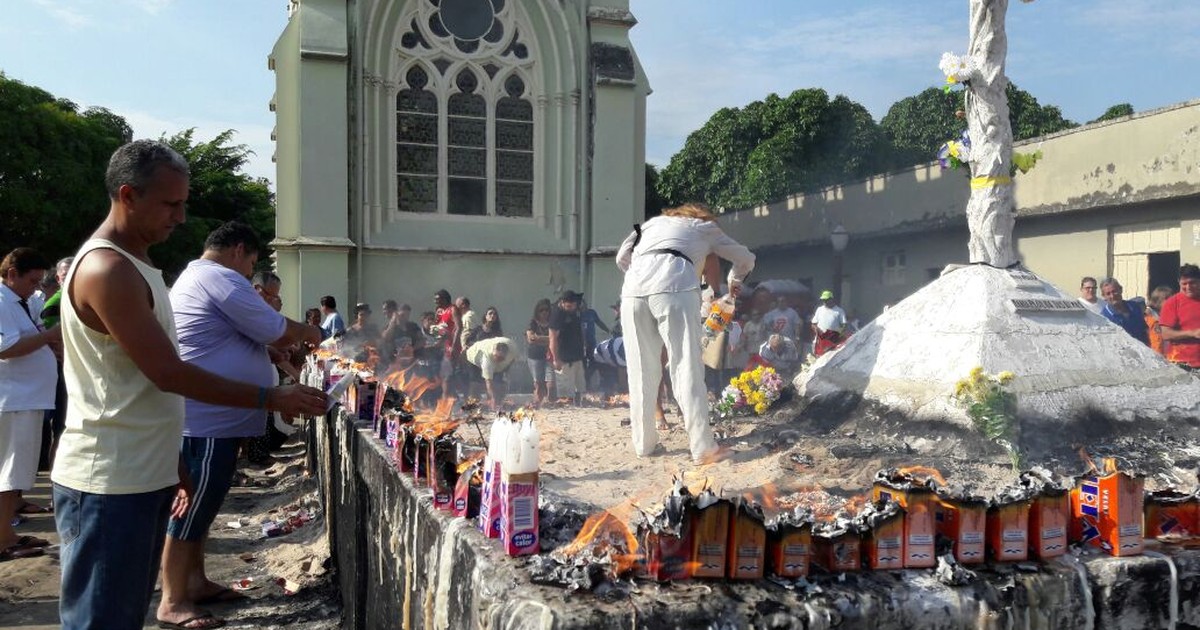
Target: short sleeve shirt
{"x":1180,"y":312}
{"x":783,"y":321}
{"x":223,"y":326}
{"x":27,"y":382}
{"x":480,"y":355}
{"x":570,"y":334}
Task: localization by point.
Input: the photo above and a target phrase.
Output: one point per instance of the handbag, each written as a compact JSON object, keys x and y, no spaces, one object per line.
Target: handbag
{"x":713,"y":352}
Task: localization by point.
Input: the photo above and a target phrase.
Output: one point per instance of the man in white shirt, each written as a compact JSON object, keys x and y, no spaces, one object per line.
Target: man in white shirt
{"x":28,"y":377}
{"x":783,"y":320}
{"x":1087,"y":295}
{"x":828,"y":324}
{"x":492,"y":358}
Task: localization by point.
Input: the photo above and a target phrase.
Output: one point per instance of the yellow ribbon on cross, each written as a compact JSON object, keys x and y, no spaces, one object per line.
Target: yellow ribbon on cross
{"x":990,"y":182}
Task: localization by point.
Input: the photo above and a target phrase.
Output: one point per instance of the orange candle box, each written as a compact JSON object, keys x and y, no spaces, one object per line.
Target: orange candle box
{"x":1008,"y":531}
{"x":1048,"y":519}
{"x":789,"y":548}
{"x":963,"y":521}
{"x":1107,"y":512}
{"x":837,"y":551}
{"x":920,"y":506}
{"x":747,"y":544}
{"x":884,"y":537}
{"x":710,"y":536}
{"x":670,"y":557}
{"x":1171,"y":513}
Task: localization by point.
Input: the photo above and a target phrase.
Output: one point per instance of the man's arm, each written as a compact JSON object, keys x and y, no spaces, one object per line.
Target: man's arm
{"x":295,"y":333}
{"x":112,"y":297}
{"x":30,"y":343}
{"x":1171,"y":334}
{"x":554,"y":348}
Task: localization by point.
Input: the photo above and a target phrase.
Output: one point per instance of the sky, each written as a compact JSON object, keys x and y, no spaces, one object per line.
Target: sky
{"x":168,"y":65}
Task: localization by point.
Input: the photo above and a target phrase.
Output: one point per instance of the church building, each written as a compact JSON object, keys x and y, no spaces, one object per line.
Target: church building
{"x":494,"y":148}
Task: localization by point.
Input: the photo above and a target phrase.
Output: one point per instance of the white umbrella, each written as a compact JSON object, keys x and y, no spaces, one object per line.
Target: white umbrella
{"x":779,"y":286}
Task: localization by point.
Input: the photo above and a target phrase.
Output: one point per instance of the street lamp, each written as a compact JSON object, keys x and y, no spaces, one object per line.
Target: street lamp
{"x":839,"y":238}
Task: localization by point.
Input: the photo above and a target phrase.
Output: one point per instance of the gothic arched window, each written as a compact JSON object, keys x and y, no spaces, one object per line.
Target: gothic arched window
{"x":417,"y":144}
{"x":466,"y":148}
{"x":514,"y":151}
{"x":464,"y":113}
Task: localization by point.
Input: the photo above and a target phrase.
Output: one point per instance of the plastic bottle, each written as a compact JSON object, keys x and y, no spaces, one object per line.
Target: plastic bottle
{"x":528,"y":451}
{"x":519,"y":491}
{"x":489,"y":506}
{"x":720,"y":315}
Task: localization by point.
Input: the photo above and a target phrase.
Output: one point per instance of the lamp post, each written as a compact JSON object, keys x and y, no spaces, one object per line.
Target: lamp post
{"x":839,"y":238}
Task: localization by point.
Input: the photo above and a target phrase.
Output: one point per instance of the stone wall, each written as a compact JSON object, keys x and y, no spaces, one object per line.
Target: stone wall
{"x":402,"y":564}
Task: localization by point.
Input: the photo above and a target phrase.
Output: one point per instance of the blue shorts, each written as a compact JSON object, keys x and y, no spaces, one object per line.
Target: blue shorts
{"x":211,"y":463}
{"x":111,"y":546}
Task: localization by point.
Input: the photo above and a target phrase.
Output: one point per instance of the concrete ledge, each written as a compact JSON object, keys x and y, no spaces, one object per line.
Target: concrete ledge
{"x":402,"y":564}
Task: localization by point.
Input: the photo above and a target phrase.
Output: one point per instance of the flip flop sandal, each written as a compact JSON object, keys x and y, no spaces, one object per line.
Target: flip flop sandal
{"x":32,"y":542}
{"x":33,"y":508}
{"x":17,"y":552}
{"x":183,"y":625}
{"x":222,"y":596}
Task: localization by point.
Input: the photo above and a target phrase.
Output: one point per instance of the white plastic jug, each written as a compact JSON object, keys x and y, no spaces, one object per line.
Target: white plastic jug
{"x":522,"y":453}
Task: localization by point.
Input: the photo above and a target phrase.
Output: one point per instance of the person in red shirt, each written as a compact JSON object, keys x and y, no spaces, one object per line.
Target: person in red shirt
{"x":1180,"y":320}
{"x":447,"y":327}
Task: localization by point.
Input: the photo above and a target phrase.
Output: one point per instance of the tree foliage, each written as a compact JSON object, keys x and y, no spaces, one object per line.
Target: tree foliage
{"x":655,"y":203}
{"x":52,"y":163}
{"x":1119,"y":110}
{"x":770,"y":148}
{"x":916,"y":126}
{"x":219,"y":191}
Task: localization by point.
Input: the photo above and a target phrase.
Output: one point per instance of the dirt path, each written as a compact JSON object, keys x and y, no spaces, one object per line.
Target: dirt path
{"x":29,"y":587}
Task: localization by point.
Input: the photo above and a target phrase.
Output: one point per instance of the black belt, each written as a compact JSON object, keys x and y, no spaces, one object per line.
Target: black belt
{"x":668,"y":250}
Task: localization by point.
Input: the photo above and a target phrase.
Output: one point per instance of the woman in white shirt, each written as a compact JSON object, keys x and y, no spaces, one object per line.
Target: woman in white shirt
{"x":660,"y":305}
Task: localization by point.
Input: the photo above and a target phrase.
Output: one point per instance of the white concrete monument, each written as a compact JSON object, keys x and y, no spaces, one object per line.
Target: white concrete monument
{"x":994,"y":314}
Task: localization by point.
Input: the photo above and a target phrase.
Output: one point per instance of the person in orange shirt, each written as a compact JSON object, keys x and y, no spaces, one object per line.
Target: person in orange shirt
{"x":1153,"y":305}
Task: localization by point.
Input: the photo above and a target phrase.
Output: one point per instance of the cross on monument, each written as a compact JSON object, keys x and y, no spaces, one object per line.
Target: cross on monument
{"x":991,"y":211}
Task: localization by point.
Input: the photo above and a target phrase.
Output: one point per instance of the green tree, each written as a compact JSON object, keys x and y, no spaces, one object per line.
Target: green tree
{"x":1119,"y":110}
{"x":916,"y":126}
{"x":654,"y":201}
{"x":219,"y":191}
{"x":52,"y":163}
{"x":770,"y":148}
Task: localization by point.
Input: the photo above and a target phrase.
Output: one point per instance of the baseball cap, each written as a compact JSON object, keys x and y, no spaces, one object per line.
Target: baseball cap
{"x":827,"y":294}
{"x":570,"y":296}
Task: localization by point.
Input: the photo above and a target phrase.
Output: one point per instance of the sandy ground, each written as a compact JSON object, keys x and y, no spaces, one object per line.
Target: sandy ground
{"x":587,"y":454}
{"x":29,"y":587}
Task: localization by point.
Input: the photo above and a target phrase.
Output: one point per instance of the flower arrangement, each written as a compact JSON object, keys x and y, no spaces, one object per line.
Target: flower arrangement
{"x":957,"y":68}
{"x":955,"y":153}
{"x":751,"y":391}
{"x":991,"y":407}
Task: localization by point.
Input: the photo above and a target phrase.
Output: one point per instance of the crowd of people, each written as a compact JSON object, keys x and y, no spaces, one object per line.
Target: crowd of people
{"x":148,"y":393}
{"x":470,"y":355}
{"x":140,"y":398}
{"x":1167,"y":321}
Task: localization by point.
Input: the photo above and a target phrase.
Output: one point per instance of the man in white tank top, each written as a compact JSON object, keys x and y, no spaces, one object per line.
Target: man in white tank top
{"x":117,"y":475}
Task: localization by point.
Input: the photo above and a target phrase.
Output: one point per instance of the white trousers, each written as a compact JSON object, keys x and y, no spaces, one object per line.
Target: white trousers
{"x":650,"y":322}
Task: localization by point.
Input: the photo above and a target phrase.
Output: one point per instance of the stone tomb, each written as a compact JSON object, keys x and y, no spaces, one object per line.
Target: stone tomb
{"x":1068,"y":361}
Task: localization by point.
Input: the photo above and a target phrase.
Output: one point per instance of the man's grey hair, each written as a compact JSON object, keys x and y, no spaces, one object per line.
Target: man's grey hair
{"x":265,"y":278}
{"x":136,"y":163}
{"x":65,"y":262}
{"x":1110,"y":282}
